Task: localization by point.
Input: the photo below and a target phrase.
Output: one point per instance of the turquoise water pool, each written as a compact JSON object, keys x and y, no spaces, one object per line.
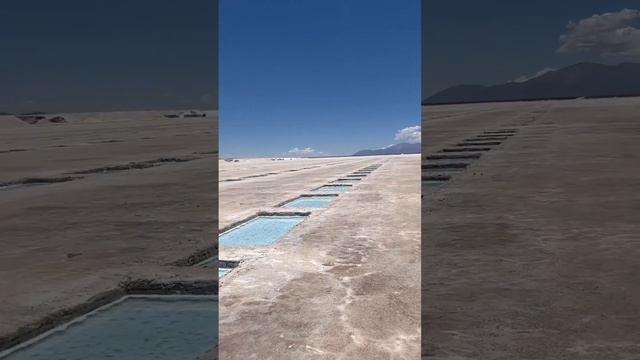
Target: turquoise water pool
{"x":223,"y":271}
{"x":319,"y":201}
{"x":343,"y":182}
{"x":333,"y":188}
{"x":260,"y":231}
{"x":135,"y":328}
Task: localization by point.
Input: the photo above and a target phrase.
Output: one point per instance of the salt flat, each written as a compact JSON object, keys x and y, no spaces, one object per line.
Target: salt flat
{"x":531,"y":252}
{"x":344,"y":283}
{"x":66,"y":243}
{"x":265,"y":183}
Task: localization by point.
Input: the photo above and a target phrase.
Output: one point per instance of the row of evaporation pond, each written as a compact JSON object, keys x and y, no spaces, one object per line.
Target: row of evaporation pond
{"x":439,"y":168}
{"x":162,"y":327}
{"x":264,"y":230}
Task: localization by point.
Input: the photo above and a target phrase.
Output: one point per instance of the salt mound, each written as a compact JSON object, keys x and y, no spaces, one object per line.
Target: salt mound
{"x":11,"y":122}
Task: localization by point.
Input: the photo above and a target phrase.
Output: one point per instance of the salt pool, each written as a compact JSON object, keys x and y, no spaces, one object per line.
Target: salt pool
{"x":260,"y":231}
{"x":163,"y":327}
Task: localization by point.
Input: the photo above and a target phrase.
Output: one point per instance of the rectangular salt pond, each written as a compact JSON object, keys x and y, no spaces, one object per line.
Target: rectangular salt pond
{"x":162,"y":327}
{"x":333,"y":188}
{"x":319,"y":201}
{"x":260,"y":231}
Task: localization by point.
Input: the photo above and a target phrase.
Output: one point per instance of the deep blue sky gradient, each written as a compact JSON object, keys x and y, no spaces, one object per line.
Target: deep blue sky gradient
{"x":104,"y":55}
{"x":494,"y":41}
{"x":334,"y":75}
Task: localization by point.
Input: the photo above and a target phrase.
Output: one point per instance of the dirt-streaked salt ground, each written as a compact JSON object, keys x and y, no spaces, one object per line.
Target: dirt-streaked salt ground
{"x":65,"y":243}
{"x":532,"y":251}
{"x":343,"y":284}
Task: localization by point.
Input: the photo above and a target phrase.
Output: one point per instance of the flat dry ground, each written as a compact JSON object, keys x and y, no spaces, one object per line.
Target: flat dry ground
{"x":64,"y":243}
{"x":344,"y":284}
{"x":532,"y":252}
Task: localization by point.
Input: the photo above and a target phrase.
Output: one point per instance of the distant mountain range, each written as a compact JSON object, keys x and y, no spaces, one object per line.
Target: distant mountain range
{"x":396,"y":149}
{"x":580,"y":80}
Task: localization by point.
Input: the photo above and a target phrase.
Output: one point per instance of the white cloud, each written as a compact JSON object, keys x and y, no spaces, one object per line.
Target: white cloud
{"x":305,"y":151}
{"x":525,"y":78}
{"x":410,"y":135}
{"x":608,"y":34}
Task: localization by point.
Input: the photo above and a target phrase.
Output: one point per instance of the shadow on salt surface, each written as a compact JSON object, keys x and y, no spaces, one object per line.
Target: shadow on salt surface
{"x":162,"y":327}
{"x":224,"y":267}
{"x":343,"y":182}
{"x":346,"y":182}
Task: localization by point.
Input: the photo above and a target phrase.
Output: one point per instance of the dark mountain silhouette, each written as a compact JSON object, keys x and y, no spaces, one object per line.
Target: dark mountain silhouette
{"x":575,"y":81}
{"x":402,"y":148}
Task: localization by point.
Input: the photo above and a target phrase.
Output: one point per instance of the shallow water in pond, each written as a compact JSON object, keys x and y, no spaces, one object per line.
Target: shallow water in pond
{"x":262,"y":230}
{"x":136,"y":328}
{"x":333,"y":188}
{"x":310,"y":202}
{"x":222,"y":272}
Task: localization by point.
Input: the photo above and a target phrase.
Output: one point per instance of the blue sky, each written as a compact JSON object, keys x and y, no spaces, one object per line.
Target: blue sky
{"x":494,"y":41}
{"x":335,"y":76}
{"x":103,"y":55}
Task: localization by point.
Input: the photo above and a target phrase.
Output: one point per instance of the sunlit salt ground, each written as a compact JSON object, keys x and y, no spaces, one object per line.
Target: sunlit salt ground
{"x":263,"y":230}
{"x":310,"y":202}
{"x":137,"y":328}
{"x":333,"y":188}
